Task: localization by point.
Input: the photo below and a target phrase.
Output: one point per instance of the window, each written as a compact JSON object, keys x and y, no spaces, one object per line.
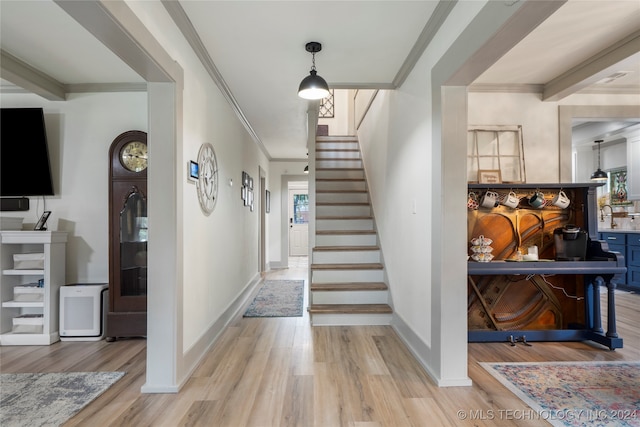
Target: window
{"x":496,"y":148}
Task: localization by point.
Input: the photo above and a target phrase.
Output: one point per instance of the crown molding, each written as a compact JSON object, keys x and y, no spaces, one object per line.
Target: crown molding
{"x":105,"y":87}
{"x":509,"y":88}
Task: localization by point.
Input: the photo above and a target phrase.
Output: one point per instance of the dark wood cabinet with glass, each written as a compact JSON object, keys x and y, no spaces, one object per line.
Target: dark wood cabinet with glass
{"x":127,"y":315}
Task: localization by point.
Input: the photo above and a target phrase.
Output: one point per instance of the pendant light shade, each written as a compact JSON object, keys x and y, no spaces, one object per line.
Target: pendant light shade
{"x":313,"y":86}
{"x":599,"y":175}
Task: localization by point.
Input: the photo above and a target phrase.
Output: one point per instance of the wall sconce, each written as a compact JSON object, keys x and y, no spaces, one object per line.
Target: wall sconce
{"x":306,"y":169}
{"x":313,"y":86}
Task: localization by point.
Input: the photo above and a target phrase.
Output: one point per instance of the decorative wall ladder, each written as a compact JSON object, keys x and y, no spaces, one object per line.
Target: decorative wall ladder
{"x":348,"y":280}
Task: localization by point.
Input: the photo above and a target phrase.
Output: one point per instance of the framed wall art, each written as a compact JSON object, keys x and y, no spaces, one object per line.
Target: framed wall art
{"x":618,"y":187}
{"x":489,"y":176}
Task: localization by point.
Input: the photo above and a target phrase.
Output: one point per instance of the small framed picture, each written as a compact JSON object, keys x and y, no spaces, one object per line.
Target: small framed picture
{"x":250,"y":183}
{"x":489,"y":176}
{"x":40,"y":226}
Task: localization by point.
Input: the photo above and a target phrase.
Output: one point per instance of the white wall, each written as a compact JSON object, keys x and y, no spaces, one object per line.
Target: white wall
{"x":339,"y":124}
{"x":398,"y":150}
{"x":220,"y":250}
{"x":539,"y":120}
{"x":79,"y":133}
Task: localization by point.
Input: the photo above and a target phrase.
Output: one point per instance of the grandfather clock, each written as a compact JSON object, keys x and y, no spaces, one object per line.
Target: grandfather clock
{"x":127,"y":315}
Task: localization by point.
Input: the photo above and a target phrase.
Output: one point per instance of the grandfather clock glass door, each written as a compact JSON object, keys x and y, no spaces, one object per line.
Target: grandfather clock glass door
{"x":127,"y":315}
{"x":133,"y":253}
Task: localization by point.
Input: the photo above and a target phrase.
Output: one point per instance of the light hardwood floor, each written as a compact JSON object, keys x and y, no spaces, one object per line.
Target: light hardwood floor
{"x":282,"y":372}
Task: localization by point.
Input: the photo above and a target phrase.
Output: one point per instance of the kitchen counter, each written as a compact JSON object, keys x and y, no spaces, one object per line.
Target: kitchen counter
{"x":617,"y":230}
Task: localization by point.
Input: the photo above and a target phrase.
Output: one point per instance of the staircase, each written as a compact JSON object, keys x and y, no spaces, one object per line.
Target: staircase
{"x":347,"y":275}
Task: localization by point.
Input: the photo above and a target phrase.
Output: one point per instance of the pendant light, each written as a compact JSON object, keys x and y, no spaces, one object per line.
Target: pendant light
{"x":313,"y":86}
{"x":599,"y":175}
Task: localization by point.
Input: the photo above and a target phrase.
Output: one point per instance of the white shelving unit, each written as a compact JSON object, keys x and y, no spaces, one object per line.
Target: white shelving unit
{"x":19,"y":320}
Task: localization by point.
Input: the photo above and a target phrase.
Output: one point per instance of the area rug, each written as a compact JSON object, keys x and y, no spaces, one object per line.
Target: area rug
{"x":278,"y":298}
{"x":575,"y":393}
{"x":32,"y":400}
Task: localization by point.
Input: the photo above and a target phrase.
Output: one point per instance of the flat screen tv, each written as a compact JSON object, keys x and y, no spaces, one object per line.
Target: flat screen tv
{"x":24,"y":155}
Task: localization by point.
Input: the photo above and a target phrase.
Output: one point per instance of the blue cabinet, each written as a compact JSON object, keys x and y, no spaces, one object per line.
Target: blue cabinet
{"x":628,"y":244}
{"x":633,"y":260}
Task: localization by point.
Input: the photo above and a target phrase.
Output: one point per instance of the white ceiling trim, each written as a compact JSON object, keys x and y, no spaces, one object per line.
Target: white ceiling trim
{"x":25,"y":76}
{"x":439,"y":15}
{"x":595,"y":68}
{"x":185,"y":26}
{"x":110,"y":22}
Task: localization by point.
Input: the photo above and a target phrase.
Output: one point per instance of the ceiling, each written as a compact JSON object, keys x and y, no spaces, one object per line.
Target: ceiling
{"x":258,"y":49}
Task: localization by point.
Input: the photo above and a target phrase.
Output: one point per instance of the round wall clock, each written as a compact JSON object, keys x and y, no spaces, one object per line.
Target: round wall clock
{"x":133,"y":156}
{"x":208,"y":178}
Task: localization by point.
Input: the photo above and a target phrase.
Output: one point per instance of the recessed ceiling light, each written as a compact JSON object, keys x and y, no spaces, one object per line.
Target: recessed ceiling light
{"x":613,"y":77}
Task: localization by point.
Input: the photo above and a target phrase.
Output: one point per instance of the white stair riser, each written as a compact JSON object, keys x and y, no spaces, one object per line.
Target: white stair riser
{"x":344,"y":174}
{"x":338,"y":145}
{"x":346,"y":210}
{"x":343,"y":276}
{"x":346,"y":257}
{"x":339,"y":319}
{"x":350,"y":297}
{"x":341,"y":185}
{"x":346,"y":239}
{"x":344,"y":224}
{"x":342,"y":197}
{"x":337,"y":155}
{"x":338,"y":163}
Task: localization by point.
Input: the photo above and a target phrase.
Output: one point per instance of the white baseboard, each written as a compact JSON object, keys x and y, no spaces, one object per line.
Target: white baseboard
{"x":193,"y":355}
{"x":421,"y":352}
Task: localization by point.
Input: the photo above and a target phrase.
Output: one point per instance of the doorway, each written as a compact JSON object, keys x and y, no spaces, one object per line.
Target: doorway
{"x":298,"y":219}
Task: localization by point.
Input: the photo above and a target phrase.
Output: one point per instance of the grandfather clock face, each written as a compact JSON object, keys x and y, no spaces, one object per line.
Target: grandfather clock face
{"x":133,"y":156}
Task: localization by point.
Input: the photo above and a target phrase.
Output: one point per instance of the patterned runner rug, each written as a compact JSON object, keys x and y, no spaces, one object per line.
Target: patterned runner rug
{"x":575,"y":393}
{"x":32,"y":400}
{"x":278,"y":298}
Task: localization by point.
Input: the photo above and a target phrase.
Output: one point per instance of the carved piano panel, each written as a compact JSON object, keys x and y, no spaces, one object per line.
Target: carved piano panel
{"x":524,"y":302}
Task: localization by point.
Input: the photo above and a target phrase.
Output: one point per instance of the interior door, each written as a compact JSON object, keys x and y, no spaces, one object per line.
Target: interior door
{"x":298,"y":222}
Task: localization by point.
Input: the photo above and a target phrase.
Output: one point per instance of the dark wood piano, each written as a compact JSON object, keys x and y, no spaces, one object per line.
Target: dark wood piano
{"x":545,"y":300}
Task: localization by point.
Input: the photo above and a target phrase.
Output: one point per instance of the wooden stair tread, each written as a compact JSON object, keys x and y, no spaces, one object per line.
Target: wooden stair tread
{"x":342,"y":203}
{"x":337,"y":149}
{"x":370,"y":266}
{"x":344,"y":217}
{"x":339,"y":169}
{"x":345,"y":248}
{"x":350,"y":308}
{"x":341,"y":191}
{"x":344,"y":232}
{"x":336,"y":138}
{"x":338,"y":179}
{"x":338,"y":158}
{"x":353,"y":286}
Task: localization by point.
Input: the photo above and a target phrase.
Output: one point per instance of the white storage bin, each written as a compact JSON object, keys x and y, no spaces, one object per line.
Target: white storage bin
{"x":28,"y":293}
{"x":28,"y":324}
{"x":28,"y":261}
{"x":27,"y":329}
{"x":29,"y":319}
